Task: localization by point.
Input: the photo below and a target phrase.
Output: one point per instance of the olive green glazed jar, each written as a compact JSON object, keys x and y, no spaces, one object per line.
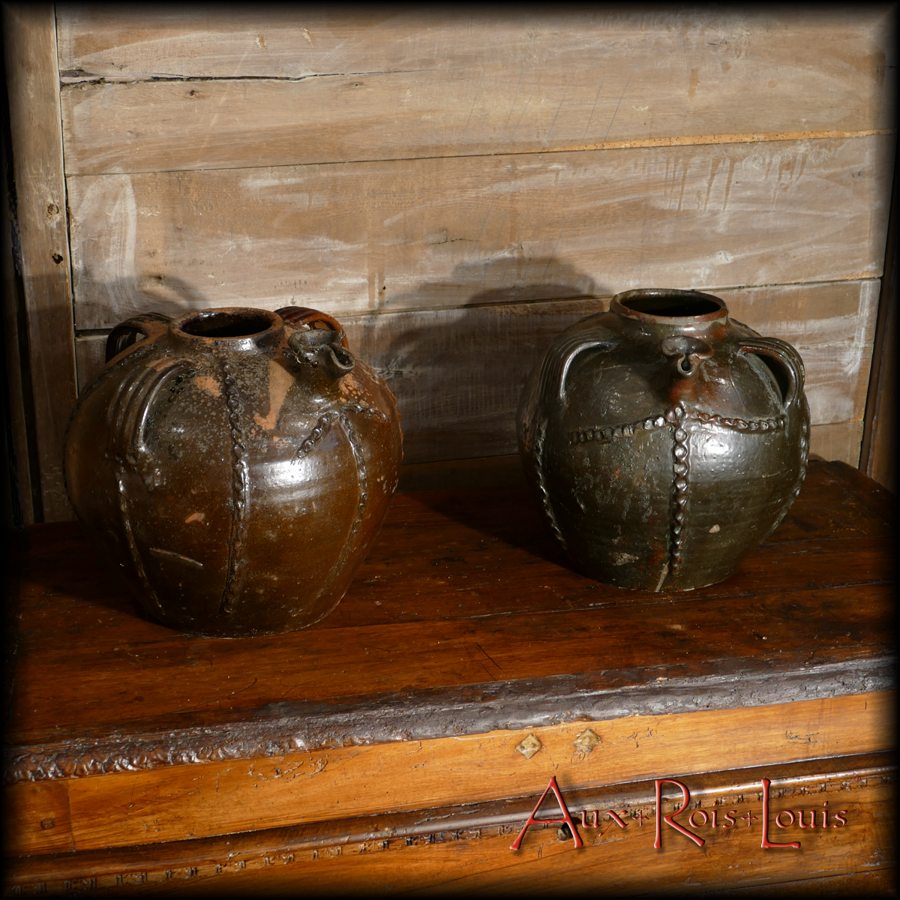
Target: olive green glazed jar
{"x":664,"y":440}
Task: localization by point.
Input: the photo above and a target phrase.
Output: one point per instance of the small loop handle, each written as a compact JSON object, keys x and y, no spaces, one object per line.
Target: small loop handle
{"x":306,"y":317}
{"x":137,"y":328}
{"x":784,"y":354}
{"x":555,"y":367}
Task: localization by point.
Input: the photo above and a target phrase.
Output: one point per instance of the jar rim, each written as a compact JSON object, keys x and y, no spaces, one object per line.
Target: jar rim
{"x":669,"y":305}
{"x":232,"y":324}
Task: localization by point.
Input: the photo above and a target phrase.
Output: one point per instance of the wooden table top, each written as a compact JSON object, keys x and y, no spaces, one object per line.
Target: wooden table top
{"x":464,"y":619}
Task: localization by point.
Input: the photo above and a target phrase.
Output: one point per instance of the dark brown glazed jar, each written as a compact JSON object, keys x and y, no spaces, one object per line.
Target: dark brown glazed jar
{"x":236,"y":465}
{"x":664,"y":440}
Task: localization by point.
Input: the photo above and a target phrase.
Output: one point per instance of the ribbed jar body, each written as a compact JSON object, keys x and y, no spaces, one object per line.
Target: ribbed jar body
{"x":235,"y":465}
{"x":664,"y":440}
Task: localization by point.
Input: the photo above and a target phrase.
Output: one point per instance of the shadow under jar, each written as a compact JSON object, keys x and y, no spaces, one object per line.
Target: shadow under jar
{"x":236,"y":464}
{"x":664,"y":440}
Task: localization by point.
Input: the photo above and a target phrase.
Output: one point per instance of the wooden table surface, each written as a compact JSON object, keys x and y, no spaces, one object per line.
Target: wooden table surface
{"x":465,"y":640}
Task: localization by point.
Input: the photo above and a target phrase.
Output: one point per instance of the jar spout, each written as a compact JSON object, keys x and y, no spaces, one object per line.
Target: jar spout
{"x":318,"y":341}
{"x":687,"y":353}
{"x":322,"y":350}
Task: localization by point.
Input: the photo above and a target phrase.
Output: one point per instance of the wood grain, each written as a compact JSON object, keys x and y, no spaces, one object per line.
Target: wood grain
{"x":840,"y":441}
{"x":744,"y":149}
{"x":468,"y":844}
{"x":283,"y":87}
{"x":878,"y":453}
{"x":415,"y":234}
{"x":144,"y":736}
{"x":456,"y":188}
{"x":458,"y":374}
{"x":17,"y":503}
{"x":218,"y":798}
{"x":42,"y":243}
{"x":482,"y":582}
{"x":37,"y":815}
{"x":97,"y":42}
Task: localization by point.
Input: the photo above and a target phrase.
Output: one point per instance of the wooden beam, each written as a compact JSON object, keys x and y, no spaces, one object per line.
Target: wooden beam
{"x":878,"y":455}
{"x":41,"y":230}
{"x":467,"y":846}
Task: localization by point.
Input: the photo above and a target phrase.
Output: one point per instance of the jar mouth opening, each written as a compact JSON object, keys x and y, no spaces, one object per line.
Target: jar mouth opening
{"x":669,"y":305}
{"x":230,"y":323}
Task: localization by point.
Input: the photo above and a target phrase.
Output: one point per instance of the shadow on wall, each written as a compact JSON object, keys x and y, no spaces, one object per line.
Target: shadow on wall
{"x":173,"y":299}
{"x":458,"y":371}
{"x":169,"y":295}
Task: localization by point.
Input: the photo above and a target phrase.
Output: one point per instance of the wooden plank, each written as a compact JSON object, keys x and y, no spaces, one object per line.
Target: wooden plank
{"x":96,"y":42}
{"x":283,"y":87}
{"x":15,"y":407}
{"x":840,"y":441}
{"x":218,"y":798}
{"x":40,"y":818}
{"x":110,"y":698}
{"x":433,"y":233}
{"x":457,"y":374}
{"x":865,"y":882}
{"x":43,"y":247}
{"x":834,"y":339}
{"x":878,"y":454}
{"x":469,"y":844}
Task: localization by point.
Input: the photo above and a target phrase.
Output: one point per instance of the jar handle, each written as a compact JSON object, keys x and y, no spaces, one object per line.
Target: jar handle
{"x":129,"y":411}
{"x":307,"y":344}
{"x":135,"y":329}
{"x":306,"y":317}
{"x":557,"y":364}
{"x":789,"y":360}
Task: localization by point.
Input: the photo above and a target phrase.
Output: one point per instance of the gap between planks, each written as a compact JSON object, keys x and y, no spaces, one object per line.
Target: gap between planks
{"x":633,"y":144}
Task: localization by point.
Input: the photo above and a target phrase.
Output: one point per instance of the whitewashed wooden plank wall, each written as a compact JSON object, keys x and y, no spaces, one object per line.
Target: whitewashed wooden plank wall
{"x":457,"y":187}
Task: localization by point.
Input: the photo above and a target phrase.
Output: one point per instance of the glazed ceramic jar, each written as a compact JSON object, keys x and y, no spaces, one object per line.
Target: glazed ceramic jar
{"x":235,"y":464}
{"x":664,"y":440}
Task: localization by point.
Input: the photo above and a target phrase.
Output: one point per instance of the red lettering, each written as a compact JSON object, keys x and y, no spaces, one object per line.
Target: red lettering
{"x":781,"y":824}
{"x":840,"y":819}
{"x":766,"y":843}
{"x":617,"y":819}
{"x":670,"y":819}
{"x":699,"y":812}
{"x":533,"y":820}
